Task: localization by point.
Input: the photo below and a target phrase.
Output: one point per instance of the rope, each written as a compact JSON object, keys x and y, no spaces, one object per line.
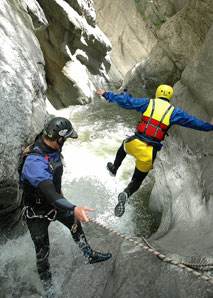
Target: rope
{"x":149,"y":248}
{"x":197,"y":265}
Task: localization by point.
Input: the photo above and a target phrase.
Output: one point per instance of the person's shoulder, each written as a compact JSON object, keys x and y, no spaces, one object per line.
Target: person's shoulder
{"x":177,"y":110}
{"x":36,"y":155}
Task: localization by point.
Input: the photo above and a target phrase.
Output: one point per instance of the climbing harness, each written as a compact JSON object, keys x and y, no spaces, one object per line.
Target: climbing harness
{"x":184,"y":266}
{"x":29,"y":213}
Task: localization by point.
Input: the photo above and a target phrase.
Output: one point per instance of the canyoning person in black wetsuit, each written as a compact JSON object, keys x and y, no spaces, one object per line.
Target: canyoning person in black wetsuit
{"x":157,"y":117}
{"x":40,"y":178}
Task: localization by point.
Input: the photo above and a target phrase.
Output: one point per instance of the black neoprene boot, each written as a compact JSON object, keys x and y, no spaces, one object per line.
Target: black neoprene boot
{"x":111,"y":168}
{"x":95,"y":257}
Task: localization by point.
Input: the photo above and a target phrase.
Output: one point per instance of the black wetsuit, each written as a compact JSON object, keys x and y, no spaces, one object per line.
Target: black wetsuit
{"x":44,"y":199}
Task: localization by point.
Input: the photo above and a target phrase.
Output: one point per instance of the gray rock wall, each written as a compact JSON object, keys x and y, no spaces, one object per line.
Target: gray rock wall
{"x":179,"y":38}
{"x":76,"y":52}
{"x":131,"y":272}
{"x":194,"y":94}
{"x":23,"y":83}
{"x":22,"y":95}
{"x":129,"y":34}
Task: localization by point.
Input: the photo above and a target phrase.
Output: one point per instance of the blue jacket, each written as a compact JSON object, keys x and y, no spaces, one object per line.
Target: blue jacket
{"x":37,"y":169}
{"x":178,"y":116}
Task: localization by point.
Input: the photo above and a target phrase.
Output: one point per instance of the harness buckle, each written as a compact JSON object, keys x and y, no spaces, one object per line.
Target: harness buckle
{"x":38,"y":201}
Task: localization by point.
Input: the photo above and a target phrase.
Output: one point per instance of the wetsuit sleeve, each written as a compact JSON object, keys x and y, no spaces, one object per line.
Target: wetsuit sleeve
{"x":181,"y":118}
{"x":126,"y":101}
{"x":54,"y":198}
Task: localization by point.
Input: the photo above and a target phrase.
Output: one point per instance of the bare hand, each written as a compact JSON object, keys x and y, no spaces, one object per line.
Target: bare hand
{"x":211,"y":122}
{"x":80,"y":213}
{"x":100,"y":91}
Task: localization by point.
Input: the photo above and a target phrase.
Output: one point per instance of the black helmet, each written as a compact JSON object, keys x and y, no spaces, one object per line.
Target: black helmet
{"x":59,"y":127}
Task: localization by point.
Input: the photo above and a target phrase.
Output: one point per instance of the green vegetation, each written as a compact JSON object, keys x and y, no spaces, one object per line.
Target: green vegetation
{"x":141,"y":6}
{"x":159,"y":22}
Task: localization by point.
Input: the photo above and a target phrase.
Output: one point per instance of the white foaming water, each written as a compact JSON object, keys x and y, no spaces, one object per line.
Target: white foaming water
{"x":86,"y":180}
{"x":18,"y":276}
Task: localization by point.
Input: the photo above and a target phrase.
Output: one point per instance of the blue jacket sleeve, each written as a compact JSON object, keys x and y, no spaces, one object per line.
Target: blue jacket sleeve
{"x":126,"y":101}
{"x":183,"y":119}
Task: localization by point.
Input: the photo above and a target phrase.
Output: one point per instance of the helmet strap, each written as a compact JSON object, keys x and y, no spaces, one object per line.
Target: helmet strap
{"x":61,"y":143}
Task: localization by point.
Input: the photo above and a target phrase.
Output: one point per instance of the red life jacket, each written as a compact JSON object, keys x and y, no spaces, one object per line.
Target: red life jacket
{"x":156,"y":119}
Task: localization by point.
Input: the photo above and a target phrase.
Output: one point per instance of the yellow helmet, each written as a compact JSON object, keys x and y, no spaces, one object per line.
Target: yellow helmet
{"x":164,"y":91}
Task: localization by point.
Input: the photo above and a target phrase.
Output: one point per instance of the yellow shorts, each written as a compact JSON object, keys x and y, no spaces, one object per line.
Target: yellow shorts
{"x":142,"y":152}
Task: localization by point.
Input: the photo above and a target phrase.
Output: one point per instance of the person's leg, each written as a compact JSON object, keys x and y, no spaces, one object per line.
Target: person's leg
{"x":120,"y":155}
{"x":132,"y":187}
{"x":141,"y":171}
{"x":135,"y":182}
{"x":145,"y":156}
{"x":75,"y":227}
{"x":39,"y":233}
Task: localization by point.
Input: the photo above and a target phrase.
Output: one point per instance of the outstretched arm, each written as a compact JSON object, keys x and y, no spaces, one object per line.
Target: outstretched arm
{"x":125,"y":100}
{"x":183,"y":119}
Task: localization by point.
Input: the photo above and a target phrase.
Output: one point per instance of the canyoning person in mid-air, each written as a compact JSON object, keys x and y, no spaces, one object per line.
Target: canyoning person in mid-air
{"x":41,"y":169}
{"x":158,"y":115}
